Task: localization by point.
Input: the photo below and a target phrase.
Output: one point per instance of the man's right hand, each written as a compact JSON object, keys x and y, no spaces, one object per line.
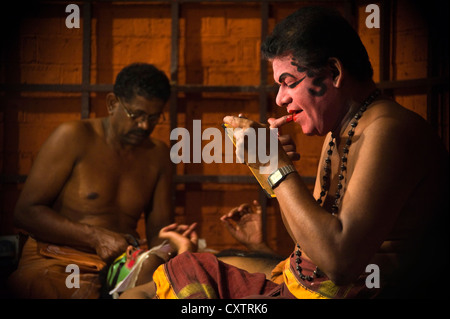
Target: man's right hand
{"x":108,"y":244}
{"x":285,"y":140}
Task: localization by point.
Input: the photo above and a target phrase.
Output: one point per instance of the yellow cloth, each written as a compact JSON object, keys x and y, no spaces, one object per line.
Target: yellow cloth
{"x":277,"y":273}
{"x":280,"y":274}
{"x":294,"y":286}
{"x":163,"y":287}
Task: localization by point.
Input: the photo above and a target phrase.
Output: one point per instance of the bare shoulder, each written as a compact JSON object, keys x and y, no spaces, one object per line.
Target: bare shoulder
{"x":388,"y":119}
{"x":391,"y":129}
{"x":72,"y":136}
{"x":80,"y":129}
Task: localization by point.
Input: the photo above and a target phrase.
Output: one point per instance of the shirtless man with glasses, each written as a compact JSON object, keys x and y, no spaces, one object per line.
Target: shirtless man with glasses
{"x":89,"y":185}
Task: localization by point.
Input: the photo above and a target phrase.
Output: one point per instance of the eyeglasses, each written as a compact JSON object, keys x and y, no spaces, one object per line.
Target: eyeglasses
{"x":140,"y":116}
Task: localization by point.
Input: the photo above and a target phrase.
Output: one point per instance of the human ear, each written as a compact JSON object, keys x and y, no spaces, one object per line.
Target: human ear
{"x":111,"y":100}
{"x":336,"y":69}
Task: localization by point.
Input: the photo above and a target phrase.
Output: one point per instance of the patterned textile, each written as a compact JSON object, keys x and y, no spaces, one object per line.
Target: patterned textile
{"x":203,"y":276}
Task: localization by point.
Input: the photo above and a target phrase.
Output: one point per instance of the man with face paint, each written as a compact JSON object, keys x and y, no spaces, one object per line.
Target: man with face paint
{"x":379,"y":198}
{"x":90,"y":184}
{"x":375,"y":224}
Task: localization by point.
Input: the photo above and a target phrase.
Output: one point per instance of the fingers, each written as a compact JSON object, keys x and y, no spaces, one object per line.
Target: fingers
{"x":257,"y":207}
{"x":194,"y":238}
{"x":286,"y":139}
{"x":231,"y":213}
{"x":244,"y":208}
{"x":189,"y":229}
{"x":293,"y":156}
{"x":230,"y":219}
{"x":289,"y":147}
{"x":167,"y":228}
{"x":170,"y":227}
{"x":181,"y":229}
{"x":234,"y":121}
{"x":238,"y":212}
{"x":276,"y":123}
{"x":182,"y":237}
{"x":241,"y":121}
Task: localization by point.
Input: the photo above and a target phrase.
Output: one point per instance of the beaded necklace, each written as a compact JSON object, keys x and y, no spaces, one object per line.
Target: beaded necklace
{"x":326,"y":176}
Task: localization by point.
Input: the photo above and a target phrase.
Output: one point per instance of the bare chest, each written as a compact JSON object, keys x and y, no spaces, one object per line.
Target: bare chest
{"x":105,"y":184}
{"x":335,"y":171}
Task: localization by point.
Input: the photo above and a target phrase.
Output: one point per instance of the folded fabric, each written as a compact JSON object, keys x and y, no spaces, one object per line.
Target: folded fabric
{"x":43,"y":273}
{"x":83,"y":260}
{"x":203,"y":276}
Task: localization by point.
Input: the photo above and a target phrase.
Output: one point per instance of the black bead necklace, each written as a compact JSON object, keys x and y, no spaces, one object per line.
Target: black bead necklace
{"x":326,"y":176}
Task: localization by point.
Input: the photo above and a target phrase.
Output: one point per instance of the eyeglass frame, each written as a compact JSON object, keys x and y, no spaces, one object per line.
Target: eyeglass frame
{"x":145,"y":117}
